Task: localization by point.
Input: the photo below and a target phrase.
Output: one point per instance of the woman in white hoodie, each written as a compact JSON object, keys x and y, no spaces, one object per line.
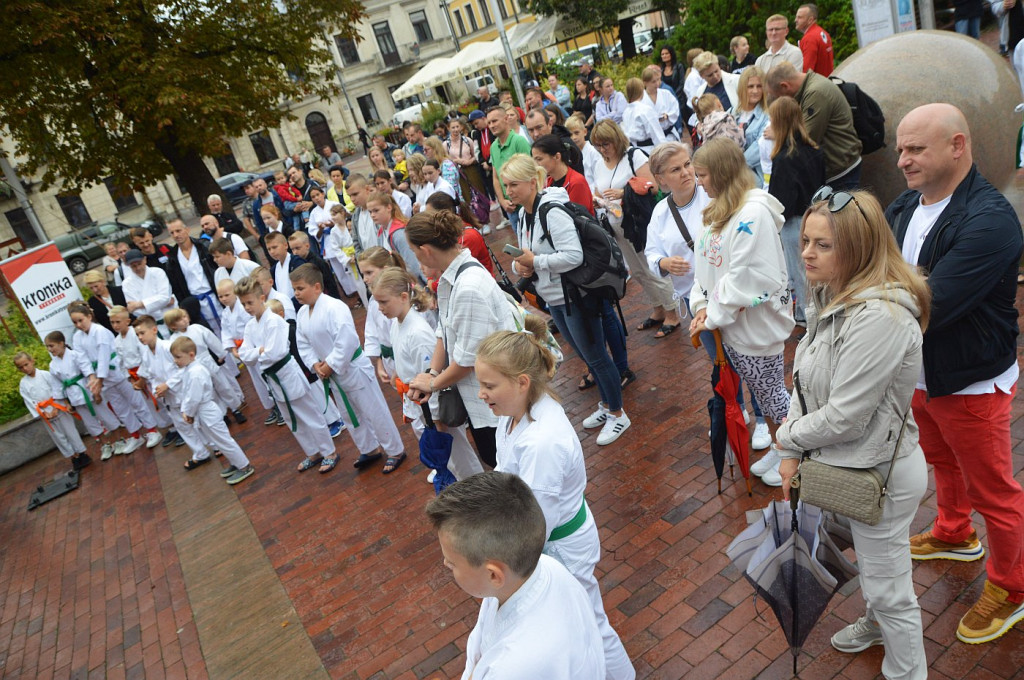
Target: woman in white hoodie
{"x":740,"y":280}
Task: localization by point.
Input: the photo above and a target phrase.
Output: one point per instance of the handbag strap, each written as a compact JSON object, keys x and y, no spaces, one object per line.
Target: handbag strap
{"x":899,"y":438}
{"x":672,"y":208}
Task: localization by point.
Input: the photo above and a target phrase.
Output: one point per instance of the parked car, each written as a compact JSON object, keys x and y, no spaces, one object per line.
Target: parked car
{"x":573,"y":57}
{"x":232,"y":184}
{"x":80,"y":247}
{"x":644,"y":41}
{"x":412,"y":114}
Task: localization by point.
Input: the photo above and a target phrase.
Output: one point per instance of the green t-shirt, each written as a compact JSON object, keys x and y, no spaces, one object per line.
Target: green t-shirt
{"x":500,"y":153}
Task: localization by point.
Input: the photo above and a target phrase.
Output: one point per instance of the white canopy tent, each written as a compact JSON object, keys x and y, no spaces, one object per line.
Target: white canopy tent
{"x":479,"y":55}
{"x":434,"y":72}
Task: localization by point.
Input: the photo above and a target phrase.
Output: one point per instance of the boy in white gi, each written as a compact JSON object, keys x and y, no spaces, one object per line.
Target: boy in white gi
{"x":265,"y":343}
{"x":536,"y":621}
{"x":229,"y":265}
{"x":266,"y":281}
{"x":226,"y":389}
{"x":536,"y":441}
{"x":232,"y":327}
{"x":329,"y":344}
{"x":147,"y":289}
{"x":201,"y":410}
{"x":129,"y":352}
{"x":43,"y":399}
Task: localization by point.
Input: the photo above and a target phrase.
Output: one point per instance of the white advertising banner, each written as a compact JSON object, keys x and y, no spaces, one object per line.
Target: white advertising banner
{"x":874,"y":19}
{"x":44,"y":287}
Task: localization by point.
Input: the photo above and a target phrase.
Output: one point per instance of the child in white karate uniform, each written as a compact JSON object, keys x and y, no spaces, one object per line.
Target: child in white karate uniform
{"x":329,"y":345}
{"x":232,"y":327}
{"x":377,"y":327}
{"x":535,"y":620}
{"x":200,"y":409}
{"x":42,"y":395}
{"x":100,"y":422}
{"x":107,"y":382}
{"x":400,"y":298}
{"x":339,"y":249}
{"x":129,"y":352}
{"x":159,"y":375}
{"x":225,"y":388}
{"x":536,"y":441}
{"x":266,"y":280}
{"x":265,"y":343}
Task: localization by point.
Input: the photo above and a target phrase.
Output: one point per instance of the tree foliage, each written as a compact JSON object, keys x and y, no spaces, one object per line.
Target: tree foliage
{"x":711,"y":24}
{"x":597,"y":14}
{"x":137,"y":89}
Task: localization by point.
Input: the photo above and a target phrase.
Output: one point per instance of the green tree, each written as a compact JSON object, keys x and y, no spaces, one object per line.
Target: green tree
{"x":597,"y":14}
{"x":138,"y":89}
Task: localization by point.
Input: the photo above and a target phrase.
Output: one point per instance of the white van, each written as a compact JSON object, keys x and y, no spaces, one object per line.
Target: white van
{"x":474,"y":84}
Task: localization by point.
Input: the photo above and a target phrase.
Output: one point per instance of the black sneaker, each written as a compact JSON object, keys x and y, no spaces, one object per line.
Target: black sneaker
{"x":228,"y":471}
{"x":169,"y":438}
{"x":227,"y":419}
{"x":626,"y":378}
{"x":239,"y":416}
{"x":80,"y":461}
{"x":240,"y":475}
{"x":178,"y":441}
{"x":272,"y":417}
{"x":280,"y":419}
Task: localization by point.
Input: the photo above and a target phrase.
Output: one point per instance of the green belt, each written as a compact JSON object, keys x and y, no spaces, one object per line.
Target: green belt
{"x":344,"y":397}
{"x":567,"y":529}
{"x":271,"y":374}
{"x":75,"y":382}
{"x":386,"y":352}
{"x":112,"y":367}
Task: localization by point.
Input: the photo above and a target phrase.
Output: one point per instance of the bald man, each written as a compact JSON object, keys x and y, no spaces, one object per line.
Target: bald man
{"x":967,"y":240}
{"x":213,"y":229}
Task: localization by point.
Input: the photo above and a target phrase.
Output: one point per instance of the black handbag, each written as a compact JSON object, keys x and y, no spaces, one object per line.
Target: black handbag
{"x":451,"y":409}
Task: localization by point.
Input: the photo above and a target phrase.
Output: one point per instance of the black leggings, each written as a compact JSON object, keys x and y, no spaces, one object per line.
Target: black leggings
{"x":486,"y":446}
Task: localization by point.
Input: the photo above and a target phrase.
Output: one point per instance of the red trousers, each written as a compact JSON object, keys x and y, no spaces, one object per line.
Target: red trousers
{"x":967,"y":440}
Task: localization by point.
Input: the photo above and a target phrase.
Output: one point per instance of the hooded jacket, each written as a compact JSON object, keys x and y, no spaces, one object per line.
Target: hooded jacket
{"x":554,"y":256}
{"x":858,"y":366}
{"x":740,"y":278}
{"x":970,"y":258}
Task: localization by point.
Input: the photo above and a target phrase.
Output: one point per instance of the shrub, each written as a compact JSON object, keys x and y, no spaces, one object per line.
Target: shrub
{"x":430,"y":114}
{"x":25,"y":340}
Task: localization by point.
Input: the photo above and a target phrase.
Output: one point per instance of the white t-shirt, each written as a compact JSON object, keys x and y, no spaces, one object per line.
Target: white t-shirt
{"x":192,"y":268}
{"x":616,"y":178}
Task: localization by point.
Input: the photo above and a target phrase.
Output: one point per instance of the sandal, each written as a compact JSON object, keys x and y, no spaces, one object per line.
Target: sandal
{"x":666,"y":330}
{"x":327,"y":464}
{"x":192,"y":463}
{"x":392,"y":463}
{"x":586,"y":383}
{"x":365,"y":459}
{"x":308,"y":464}
{"x":649,"y":324}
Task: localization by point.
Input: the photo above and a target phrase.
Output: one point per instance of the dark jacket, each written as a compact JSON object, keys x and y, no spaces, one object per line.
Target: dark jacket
{"x":330,"y":284}
{"x":177,"y":276}
{"x":229,"y":220}
{"x":970,"y":258}
{"x":795,"y":178}
{"x":257,"y":219}
{"x":99,"y":310}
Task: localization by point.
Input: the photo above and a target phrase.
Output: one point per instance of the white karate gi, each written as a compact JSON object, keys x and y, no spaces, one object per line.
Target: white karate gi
{"x":199,"y":286}
{"x":96,"y":356}
{"x":282,"y":282}
{"x":241,"y":269}
{"x":427,"y":190}
{"x":404,"y":202}
{"x":545,"y":630}
{"x":544,"y":451}
{"x":97,"y":418}
{"x":640,"y":124}
{"x":158,"y":368}
{"x":669,"y":105}
{"x":232,"y":330}
{"x":377,"y":336}
{"x":129,"y":353}
{"x":153,"y":291}
{"x":414,"y":342}
{"x":338,"y":250}
{"x":198,"y":402}
{"x":317,"y":216}
{"x":270,"y":332}
{"x":286,"y":302}
{"x":42,"y":387}
{"x":225,"y":388}
{"x":326,"y":332}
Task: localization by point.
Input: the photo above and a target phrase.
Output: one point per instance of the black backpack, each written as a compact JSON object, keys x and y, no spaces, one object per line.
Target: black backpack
{"x":571,"y":153}
{"x":637,"y":209}
{"x":868,"y":119}
{"x":603,"y":271}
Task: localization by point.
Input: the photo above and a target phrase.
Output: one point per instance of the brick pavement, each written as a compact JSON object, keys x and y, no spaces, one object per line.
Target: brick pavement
{"x":91,"y":586}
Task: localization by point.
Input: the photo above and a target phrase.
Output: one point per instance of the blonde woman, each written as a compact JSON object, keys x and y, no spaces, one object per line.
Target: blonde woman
{"x":377,"y":160}
{"x":752,"y":115}
{"x":664,"y":102}
{"x":640,"y":121}
{"x":433,"y":149}
{"x":740,"y":282}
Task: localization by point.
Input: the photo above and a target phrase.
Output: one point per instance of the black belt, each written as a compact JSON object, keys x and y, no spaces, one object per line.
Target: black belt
{"x":644,"y":142}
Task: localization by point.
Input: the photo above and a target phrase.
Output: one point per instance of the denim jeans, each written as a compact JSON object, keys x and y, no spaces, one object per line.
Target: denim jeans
{"x":585,"y":333}
{"x":971,"y":27}
{"x":615,"y":336}
{"x":791,"y":248}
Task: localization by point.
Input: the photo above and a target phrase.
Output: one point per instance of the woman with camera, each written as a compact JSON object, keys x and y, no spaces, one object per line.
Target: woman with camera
{"x":853,"y":377}
{"x":550,"y":247}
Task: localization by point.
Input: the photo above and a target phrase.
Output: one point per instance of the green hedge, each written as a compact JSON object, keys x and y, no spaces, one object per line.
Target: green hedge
{"x":25,"y":340}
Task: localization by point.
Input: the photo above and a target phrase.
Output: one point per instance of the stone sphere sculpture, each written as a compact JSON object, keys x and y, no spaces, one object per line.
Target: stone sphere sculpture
{"x":907,"y":70}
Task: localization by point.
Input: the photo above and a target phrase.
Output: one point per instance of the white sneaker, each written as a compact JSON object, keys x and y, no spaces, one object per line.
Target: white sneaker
{"x":768,"y":461}
{"x":106,"y":451}
{"x":596,"y":419}
{"x":153,"y":439}
{"x":486,"y":229}
{"x":494,"y":206}
{"x":772,"y":477}
{"x":431,"y":476}
{"x":858,"y":636}
{"x":132,"y":444}
{"x":119,"y":447}
{"x":501,"y":225}
{"x":613,"y":428}
{"x":762,"y":438}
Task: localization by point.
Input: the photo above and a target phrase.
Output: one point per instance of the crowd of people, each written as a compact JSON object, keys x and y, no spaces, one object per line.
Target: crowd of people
{"x":760,"y":226}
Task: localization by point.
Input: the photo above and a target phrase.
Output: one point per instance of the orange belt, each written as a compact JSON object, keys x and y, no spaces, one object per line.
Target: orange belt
{"x":133,"y":373}
{"x":50,"y":403}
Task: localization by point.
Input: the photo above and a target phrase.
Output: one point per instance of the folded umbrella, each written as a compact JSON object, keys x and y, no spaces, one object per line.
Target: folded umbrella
{"x":729,"y":434}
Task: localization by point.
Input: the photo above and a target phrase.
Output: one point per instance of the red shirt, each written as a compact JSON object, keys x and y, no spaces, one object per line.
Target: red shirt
{"x":576,"y":186}
{"x":816,"y":46}
{"x":473,"y":241}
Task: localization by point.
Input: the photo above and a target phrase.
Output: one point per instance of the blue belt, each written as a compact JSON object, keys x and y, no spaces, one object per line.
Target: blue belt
{"x":213,"y":302}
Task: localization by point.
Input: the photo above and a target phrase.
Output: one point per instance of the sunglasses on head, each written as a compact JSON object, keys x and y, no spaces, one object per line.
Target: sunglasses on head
{"x":837,"y":200}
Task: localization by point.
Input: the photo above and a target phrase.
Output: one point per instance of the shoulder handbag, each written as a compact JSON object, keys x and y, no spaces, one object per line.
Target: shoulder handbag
{"x":856,"y":493}
{"x":451,"y":410}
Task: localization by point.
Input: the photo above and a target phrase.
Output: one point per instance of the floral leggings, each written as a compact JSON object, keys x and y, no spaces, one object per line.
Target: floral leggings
{"x":765,"y":376}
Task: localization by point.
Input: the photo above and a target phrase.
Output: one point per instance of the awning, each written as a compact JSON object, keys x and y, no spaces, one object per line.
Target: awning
{"x":479,"y":55}
{"x":434,"y":72}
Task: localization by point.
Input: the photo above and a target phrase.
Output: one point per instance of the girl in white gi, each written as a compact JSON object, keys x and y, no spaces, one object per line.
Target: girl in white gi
{"x":265,"y":343}
{"x":232,"y":328}
{"x":319,"y":216}
{"x":329,"y":345}
{"x":200,"y":409}
{"x":640,"y":121}
{"x":225,"y":388}
{"x":100,"y":422}
{"x":129,"y":352}
{"x":42,"y":395}
{"x":414,"y":341}
{"x":161,"y":376}
{"x":105,"y":379}
{"x":663,"y":101}
{"x":535,"y":622}
{"x":339,"y":249}
{"x":536,"y":441}
{"x":377,"y":328}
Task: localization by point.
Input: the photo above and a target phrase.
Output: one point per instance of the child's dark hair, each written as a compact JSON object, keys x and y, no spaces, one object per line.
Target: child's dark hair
{"x":144,"y":321}
{"x":222,"y":246}
{"x":395,"y":281}
{"x":79,"y":307}
{"x":381,"y":258}
{"x":308,"y":274}
{"x":514,"y":354}
{"x":439,"y":200}
{"x":442,"y":229}
{"x":55,"y":336}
